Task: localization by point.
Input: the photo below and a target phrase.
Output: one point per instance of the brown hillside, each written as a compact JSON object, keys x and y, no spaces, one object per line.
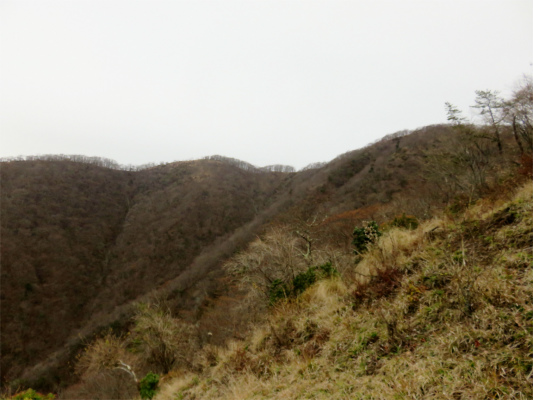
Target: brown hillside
{"x":79,"y":240}
{"x":81,"y":243}
{"x":59,"y":222}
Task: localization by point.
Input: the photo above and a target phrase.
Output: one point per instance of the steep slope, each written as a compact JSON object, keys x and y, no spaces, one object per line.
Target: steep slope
{"x":180,"y":210}
{"x":444,"y":311}
{"x":79,"y":240}
{"x":59,"y":221}
{"x":81,"y":243}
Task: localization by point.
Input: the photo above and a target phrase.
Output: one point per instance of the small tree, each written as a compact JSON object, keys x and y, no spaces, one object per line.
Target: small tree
{"x":275,"y":256}
{"x":106,"y":369}
{"x":163,"y":340}
{"x":464,"y":167}
{"x":106,"y":353}
{"x":276,"y":266}
{"x":454,"y":115}
{"x":494,"y":111}
{"x":520,"y":114}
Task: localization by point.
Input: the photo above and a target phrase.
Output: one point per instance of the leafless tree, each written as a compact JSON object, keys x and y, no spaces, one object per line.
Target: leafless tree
{"x":494,"y":112}
{"x":520,"y":114}
{"x":164,"y":340}
{"x":276,"y":255}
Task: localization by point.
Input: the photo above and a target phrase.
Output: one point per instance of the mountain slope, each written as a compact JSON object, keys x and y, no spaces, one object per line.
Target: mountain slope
{"x":79,"y":240}
{"x":59,"y":220}
{"x":444,"y":311}
{"x":81,"y":244}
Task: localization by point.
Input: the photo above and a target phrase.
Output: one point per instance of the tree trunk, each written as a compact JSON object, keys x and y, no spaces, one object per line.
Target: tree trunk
{"x":517,"y":138}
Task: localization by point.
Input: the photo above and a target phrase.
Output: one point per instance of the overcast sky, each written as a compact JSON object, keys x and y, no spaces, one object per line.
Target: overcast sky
{"x":268,"y":82}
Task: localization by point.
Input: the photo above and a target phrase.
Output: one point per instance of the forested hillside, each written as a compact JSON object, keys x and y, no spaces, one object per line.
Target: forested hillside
{"x":79,"y":240}
{"x":208,"y":269}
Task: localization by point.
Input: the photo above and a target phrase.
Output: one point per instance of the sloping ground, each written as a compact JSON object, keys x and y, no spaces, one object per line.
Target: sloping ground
{"x":80,"y":240}
{"x":444,"y":311}
{"x":59,"y":220}
{"x":82,"y":243}
{"x":180,"y":211}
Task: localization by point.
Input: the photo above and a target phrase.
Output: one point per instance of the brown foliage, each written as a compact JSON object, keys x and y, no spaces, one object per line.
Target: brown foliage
{"x":382,"y":284}
{"x":163,"y":340}
{"x":80,"y":241}
{"x":339,"y":227}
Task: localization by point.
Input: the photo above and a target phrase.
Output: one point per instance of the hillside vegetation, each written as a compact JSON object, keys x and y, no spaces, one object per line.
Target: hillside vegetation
{"x":224,"y":279}
{"x":78,"y":240}
{"x":442,"y":311}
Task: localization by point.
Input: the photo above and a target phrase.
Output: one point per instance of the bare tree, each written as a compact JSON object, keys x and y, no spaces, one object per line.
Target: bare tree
{"x":520,"y":114}
{"x":275,"y":256}
{"x":165,"y":341}
{"x":106,"y":365}
{"x":494,"y":111}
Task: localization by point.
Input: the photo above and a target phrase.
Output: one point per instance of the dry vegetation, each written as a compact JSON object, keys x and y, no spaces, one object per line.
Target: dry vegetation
{"x":198,"y":270}
{"x":443,"y":311}
{"x":80,"y":240}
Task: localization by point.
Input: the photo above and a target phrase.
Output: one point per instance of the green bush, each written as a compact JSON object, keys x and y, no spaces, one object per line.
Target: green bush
{"x":31,"y":394}
{"x":365,"y":235}
{"x":327,"y":270}
{"x":148,"y":385}
{"x":278,"y":290}
{"x":303,"y":280}
{"x":405,"y":221}
{"x":281,"y":290}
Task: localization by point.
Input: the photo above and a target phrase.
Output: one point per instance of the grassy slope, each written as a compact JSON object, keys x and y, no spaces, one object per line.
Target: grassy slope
{"x":450,"y":315}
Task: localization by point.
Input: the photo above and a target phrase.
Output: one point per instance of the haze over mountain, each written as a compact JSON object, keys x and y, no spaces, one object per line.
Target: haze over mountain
{"x":268,"y":82}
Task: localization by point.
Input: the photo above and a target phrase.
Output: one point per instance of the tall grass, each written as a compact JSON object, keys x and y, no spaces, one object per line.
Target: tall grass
{"x":440,"y":312}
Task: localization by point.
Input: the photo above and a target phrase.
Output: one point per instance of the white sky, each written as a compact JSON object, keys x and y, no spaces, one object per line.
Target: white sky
{"x":288,"y":82}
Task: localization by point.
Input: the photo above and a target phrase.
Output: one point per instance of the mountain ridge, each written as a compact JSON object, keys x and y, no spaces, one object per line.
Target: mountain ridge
{"x":96,"y":240}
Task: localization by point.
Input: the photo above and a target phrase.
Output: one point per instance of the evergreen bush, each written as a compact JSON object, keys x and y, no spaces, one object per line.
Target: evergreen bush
{"x":148,"y":385}
{"x":278,"y":290}
{"x":281,"y":290}
{"x":365,"y":235}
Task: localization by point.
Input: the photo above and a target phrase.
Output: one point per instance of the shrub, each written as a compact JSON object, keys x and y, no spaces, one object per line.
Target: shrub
{"x":102,"y":354}
{"x":163,"y":340}
{"x":303,"y":280}
{"x":405,"y":221}
{"x":385,"y":282}
{"x":280,"y":290}
{"x":327,"y":270}
{"x":148,"y":385}
{"x":365,"y":235}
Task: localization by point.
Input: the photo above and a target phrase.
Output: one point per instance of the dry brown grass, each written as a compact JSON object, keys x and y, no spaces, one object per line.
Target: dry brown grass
{"x":453,"y":321}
